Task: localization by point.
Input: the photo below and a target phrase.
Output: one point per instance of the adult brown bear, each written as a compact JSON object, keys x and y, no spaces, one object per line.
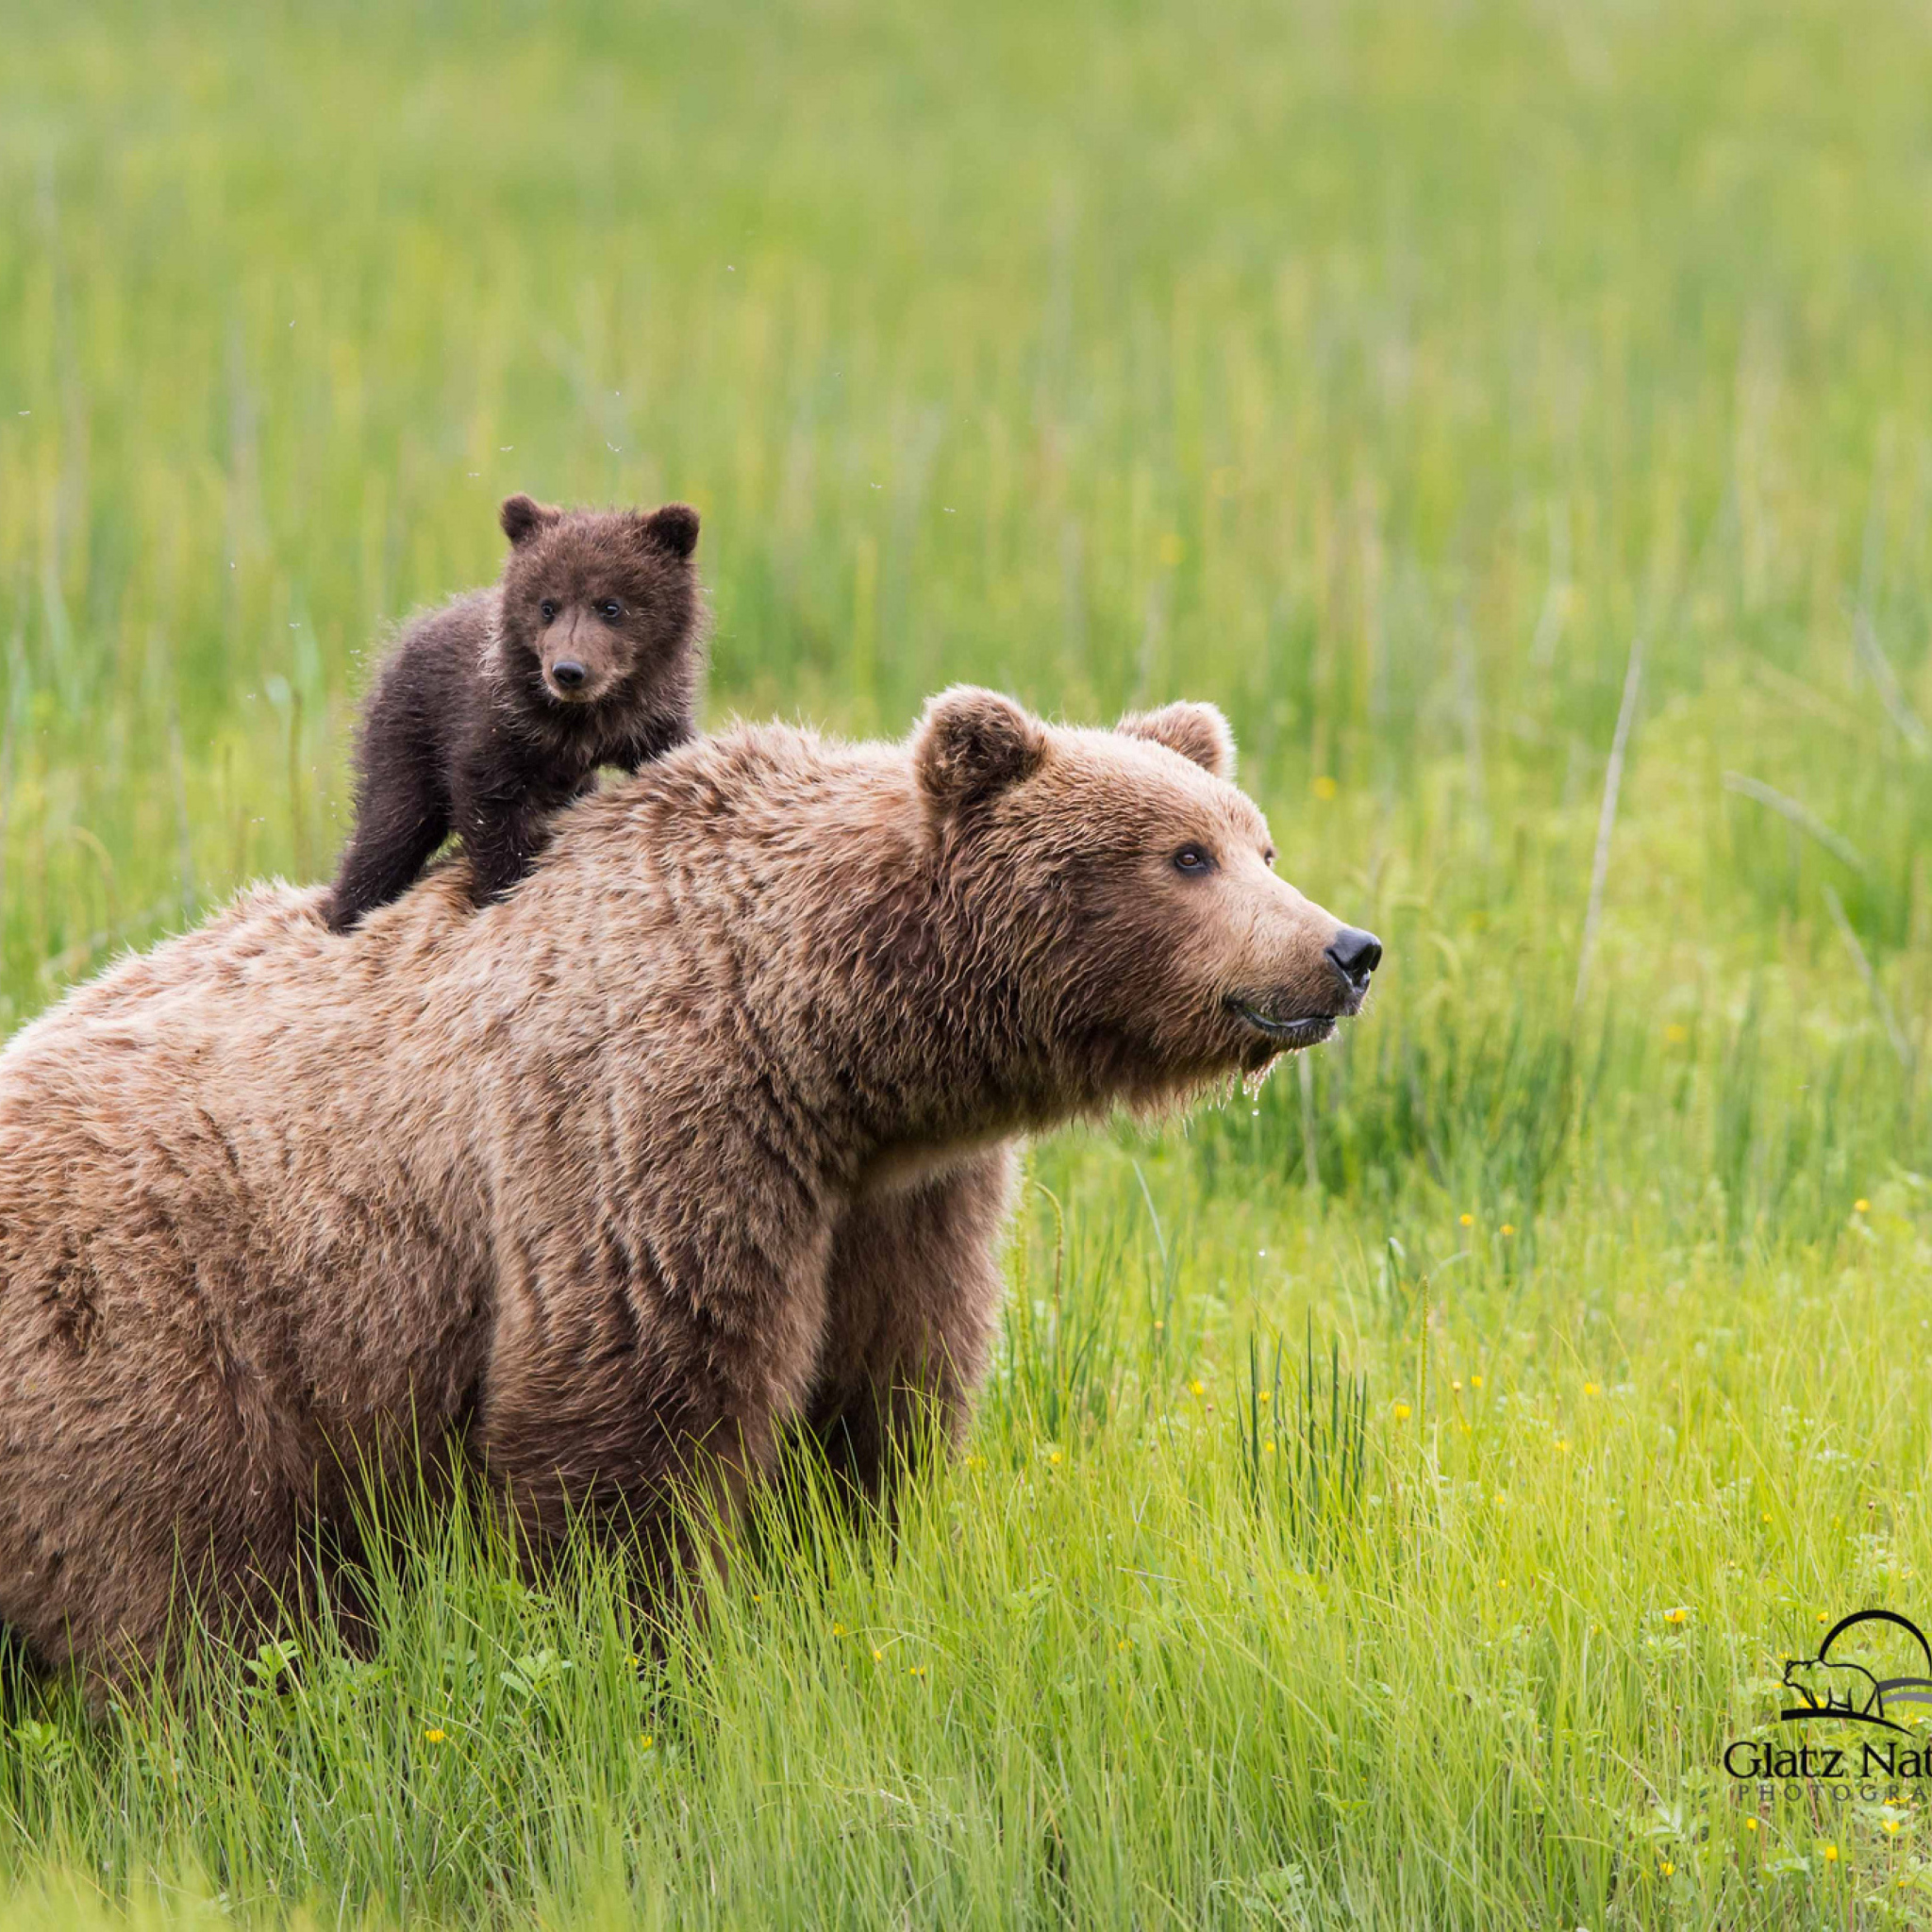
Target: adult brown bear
{"x":698,"y":1134}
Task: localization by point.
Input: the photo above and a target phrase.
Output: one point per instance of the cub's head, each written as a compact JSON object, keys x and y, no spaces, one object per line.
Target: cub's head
{"x":1160,"y":947}
{"x":601,"y":606}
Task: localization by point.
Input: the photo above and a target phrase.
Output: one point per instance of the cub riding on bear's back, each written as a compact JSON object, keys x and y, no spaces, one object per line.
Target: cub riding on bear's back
{"x":701,"y":1136}
{"x":496,"y":709}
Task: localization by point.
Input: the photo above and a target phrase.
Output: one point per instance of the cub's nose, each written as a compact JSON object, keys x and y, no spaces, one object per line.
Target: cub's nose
{"x":569,"y":672}
{"x":1355,"y":955}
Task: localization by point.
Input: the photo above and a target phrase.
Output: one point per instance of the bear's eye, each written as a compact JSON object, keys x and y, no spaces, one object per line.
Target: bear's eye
{"x":1268,"y":856}
{"x":611,"y":609}
{"x":1193,"y":860}
{"x":548,"y":610}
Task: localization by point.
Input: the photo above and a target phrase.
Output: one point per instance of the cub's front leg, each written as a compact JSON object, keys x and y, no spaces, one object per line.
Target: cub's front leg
{"x":914,"y":1294}
{"x":505,"y":826}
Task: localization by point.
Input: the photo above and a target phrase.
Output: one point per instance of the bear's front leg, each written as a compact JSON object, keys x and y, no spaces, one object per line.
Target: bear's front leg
{"x":504,"y":793}
{"x":503,"y":839}
{"x":914,"y":1294}
{"x":636,"y":1386}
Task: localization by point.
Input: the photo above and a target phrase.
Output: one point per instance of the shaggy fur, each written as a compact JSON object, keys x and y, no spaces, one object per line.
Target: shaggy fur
{"x":496,"y":709}
{"x":700,"y":1135}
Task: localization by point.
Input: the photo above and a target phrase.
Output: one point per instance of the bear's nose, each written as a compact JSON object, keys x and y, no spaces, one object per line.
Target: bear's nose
{"x":1355,"y":955}
{"x":568,"y":672}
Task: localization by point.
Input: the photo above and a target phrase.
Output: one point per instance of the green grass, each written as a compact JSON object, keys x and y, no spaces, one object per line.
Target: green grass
{"x":1383,"y":372}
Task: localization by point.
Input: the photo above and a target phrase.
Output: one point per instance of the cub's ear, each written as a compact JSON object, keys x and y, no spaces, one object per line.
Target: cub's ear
{"x":973,"y":744}
{"x":673,"y":528}
{"x":523,"y":516}
{"x":1196,"y":731}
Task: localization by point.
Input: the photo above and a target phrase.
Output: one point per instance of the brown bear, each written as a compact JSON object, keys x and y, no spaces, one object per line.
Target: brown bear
{"x":496,"y":709}
{"x":698,"y":1136}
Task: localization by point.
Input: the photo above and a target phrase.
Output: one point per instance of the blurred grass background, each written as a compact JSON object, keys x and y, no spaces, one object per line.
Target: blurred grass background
{"x":1396,"y":375}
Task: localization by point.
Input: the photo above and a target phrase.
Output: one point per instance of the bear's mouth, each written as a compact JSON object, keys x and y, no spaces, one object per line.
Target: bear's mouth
{"x":1310,"y":1029}
{"x":570,"y":698}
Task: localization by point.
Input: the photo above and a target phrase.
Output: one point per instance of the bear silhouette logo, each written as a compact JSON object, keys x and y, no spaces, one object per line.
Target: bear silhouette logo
{"x":1825,"y":1686}
{"x":1834,"y":1685}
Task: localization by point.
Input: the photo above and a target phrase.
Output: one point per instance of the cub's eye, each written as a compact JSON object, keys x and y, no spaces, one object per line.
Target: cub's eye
{"x":1192,"y":861}
{"x":1268,"y":856}
{"x":610,"y":610}
{"x":548,"y":610}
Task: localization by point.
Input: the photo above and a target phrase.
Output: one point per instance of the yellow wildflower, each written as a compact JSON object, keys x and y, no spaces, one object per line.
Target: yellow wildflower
{"x":1401,"y":1411}
{"x":1862,"y":1206}
{"x":1325,"y":788}
{"x":1467,"y":1220}
{"x":433,"y":1736}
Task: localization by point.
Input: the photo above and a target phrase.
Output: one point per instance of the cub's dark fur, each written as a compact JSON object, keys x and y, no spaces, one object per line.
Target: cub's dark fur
{"x":499,"y":708}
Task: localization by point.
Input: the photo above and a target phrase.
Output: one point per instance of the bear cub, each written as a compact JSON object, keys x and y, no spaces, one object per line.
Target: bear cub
{"x":496,"y":709}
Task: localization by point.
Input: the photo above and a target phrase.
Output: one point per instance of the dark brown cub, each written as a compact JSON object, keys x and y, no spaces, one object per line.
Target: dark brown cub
{"x":498,"y":708}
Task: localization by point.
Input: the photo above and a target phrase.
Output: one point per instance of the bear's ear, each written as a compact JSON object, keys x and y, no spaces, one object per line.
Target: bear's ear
{"x":1196,"y":731}
{"x":523,"y":516}
{"x":673,"y":529}
{"x":973,"y":744}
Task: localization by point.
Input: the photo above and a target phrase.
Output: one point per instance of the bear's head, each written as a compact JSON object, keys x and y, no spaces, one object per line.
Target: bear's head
{"x":1160,"y":949}
{"x":600,"y":605}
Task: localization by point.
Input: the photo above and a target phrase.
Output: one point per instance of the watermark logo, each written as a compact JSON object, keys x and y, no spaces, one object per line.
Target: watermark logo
{"x":1873,"y":1669}
{"x":1836,"y":1684}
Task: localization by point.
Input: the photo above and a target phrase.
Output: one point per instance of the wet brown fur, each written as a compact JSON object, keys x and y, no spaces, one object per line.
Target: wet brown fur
{"x":469,"y":728}
{"x":702,"y":1134}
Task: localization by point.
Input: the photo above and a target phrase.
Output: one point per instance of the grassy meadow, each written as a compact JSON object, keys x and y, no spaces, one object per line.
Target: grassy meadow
{"x":1396,"y":1485}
